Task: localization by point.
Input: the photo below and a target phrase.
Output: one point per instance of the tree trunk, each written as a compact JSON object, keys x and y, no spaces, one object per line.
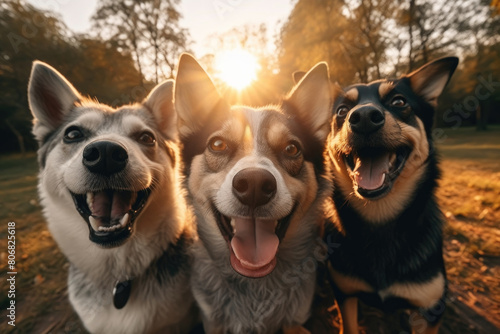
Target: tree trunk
{"x":138,"y":61}
{"x":411,"y":14}
{"x":19,"y":136}
{"x":482,"y":115}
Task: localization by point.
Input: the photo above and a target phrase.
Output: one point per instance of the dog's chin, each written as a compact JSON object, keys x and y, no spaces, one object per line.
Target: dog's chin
{"x":110,"y":214}
{"x":253,"y":242}
{"x":373,"y":171}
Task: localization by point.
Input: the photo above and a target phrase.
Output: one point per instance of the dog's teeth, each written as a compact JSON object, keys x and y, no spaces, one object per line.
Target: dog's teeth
{"x":94,"y":223}
{"x":233,"y":224}
{"x":124,"y":221}
{"x":392,"y":159}
{"x":90,"y":200}
{"x":109,"y":229}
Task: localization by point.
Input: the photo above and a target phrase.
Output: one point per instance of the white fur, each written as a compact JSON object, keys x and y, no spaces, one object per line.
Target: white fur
{"x":425,"y":294}
{"x":154,"y":306}
{"x":230,"y":302}
{"x":279,"y":207}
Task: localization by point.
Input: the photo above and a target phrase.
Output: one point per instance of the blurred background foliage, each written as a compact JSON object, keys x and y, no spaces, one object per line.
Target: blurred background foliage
{"x":135,"y":44}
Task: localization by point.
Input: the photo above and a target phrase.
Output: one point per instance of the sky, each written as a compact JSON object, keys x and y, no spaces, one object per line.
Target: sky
{"x":203,"y":18}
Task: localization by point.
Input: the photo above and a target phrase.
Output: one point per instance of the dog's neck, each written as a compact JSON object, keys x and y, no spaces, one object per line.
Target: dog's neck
{"x":170,"y":262}
{"x":413,"y":216}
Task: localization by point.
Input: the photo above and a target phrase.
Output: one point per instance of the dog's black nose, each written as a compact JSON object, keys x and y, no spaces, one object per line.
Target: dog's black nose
{"x":104,"y":157}
{"x":366,"y":120}
{"x":254,"y":186}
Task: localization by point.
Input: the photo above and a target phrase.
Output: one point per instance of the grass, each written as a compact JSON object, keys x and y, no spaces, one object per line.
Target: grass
{"x":471,"y":166}
{"x":41,"y":268}
{"x":469,"y":195}
{"x":470,"y":145}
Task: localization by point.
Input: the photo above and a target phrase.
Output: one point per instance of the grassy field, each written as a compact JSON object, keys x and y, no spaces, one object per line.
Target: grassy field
{"x":41,"y":279}
{"x":469,"y":195}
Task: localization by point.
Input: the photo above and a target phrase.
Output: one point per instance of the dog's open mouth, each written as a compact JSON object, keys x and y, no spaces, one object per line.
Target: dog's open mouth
{"x":253,"y":242}
{"x":110,"y":213}
{"x":373,"y":171}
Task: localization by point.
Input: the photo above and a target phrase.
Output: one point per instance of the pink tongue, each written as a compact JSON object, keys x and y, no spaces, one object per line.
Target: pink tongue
{"x":254,"y":243}
{"x":369,"y":172}
{"x":101,"y":206}
{"x":121,"y":204}
{"x":112,"y":205}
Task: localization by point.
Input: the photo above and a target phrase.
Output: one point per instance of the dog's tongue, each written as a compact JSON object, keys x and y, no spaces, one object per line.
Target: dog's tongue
{"x":254,"y":242}
{"x":369,"y":172}
{"x":112,"y":204}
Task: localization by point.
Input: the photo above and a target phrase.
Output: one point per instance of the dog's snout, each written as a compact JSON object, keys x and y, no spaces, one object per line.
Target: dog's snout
{"x":366,"y":120}
{"x":104,"y":157}
{"x":254,"y":186}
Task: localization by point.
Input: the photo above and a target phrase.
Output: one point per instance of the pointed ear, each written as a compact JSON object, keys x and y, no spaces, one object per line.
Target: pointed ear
{"x":311,"y":101}
{"x":429,"y":80}
{"x":196,"y":98}
{"x":50,"y":98}
{"x":161,"y":102}
{"x":297,"y":75}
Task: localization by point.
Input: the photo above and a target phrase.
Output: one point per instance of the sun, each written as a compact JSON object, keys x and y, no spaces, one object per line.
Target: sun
{"x":237,"y":68}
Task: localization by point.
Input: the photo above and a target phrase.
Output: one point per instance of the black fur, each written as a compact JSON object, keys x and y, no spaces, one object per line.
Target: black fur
{"x":195,"y":143}
{"x":407,"y":248}
{"x":313,"y":147}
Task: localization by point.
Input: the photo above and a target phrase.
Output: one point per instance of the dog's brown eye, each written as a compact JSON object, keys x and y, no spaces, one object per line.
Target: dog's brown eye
{"x":342,"y":110}
{"x":217,"y":144}
{"x":398,"y":101}
{"x":291,"y":150}
{"x":147,"y":138}
{"x":73,"y":134}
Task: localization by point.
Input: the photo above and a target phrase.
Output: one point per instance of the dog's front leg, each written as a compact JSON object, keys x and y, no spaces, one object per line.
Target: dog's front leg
{"x":349,"y":311}
{"x":420,"y":325}
{"x":295,"y":330}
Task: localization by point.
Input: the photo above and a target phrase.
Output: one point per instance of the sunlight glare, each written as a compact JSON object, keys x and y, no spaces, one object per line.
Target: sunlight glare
{"x":237,"y":68}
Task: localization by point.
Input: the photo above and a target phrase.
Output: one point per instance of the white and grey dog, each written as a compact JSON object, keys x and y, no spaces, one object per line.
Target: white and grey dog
{"x":110,"y":189}
{"x":256,"y":178}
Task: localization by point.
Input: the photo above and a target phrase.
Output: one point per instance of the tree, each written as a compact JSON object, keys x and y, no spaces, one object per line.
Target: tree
{"x":314,"y":32}
{"x":350,"y":35}
{"x":148,"y":29}
{"x":26,"y":33}
{"x":483,"y":29}
{"x":95,"y":67}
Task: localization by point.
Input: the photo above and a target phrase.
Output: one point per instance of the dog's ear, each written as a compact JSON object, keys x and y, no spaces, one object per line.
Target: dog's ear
{"x":297,"y":75}
{"x":311,"y":101}
{"x":429,"y":80}
{"x":161,"y":102}
{"x":197,"y":101}
{"x":50,"y":98}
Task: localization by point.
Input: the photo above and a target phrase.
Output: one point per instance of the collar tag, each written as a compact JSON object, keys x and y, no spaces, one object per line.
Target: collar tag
{"x":121,"y":293}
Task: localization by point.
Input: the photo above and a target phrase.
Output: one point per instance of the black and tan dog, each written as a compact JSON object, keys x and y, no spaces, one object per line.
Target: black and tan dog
{"x":385,"y":218}
{"x":256,"y":178}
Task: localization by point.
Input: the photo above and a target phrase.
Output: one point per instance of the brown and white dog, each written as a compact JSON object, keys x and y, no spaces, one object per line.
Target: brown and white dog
{"x":111,"y":192}
{"x":256,"y":178}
